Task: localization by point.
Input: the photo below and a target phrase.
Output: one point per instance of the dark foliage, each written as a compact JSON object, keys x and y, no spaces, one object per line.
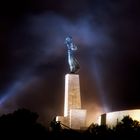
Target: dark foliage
{"x":22,"y":124}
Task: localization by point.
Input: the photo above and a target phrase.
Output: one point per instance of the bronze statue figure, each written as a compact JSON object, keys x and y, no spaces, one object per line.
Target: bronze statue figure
{"x":73,"y":63}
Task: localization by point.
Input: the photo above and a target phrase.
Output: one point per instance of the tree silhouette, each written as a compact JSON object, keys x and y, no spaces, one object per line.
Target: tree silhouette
{"x":127,"y":127}
{"x":128,"y":122}
{"x":23,"y":123}
{"x":55,"y":125}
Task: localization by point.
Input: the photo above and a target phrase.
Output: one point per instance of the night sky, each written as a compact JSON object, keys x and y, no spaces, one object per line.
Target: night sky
{"x":33,"y":56}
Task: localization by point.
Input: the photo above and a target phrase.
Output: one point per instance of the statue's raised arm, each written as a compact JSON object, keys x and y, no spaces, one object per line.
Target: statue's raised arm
{"x":73,"y":63}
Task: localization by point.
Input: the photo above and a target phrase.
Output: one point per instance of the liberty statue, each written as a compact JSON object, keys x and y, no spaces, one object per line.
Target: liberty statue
{"x":73,"y":63}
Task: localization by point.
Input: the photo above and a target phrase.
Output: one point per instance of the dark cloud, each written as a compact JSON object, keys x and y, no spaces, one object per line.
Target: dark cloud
{"x":33,"y":57}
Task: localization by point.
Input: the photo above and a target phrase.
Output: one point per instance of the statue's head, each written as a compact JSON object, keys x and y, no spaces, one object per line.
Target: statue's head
{"x":68,"y":40}
{"x":69,"y":43}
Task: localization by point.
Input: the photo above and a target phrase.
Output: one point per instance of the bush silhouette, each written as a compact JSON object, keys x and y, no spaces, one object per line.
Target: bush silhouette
{"x":21,"y":122}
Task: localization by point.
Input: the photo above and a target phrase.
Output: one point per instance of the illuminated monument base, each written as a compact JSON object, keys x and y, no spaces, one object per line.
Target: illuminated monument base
{"x":112,"y":118}
{"x":74,"y":117}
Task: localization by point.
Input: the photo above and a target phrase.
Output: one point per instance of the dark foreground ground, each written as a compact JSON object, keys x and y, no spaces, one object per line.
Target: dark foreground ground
{"x":22,"y":124}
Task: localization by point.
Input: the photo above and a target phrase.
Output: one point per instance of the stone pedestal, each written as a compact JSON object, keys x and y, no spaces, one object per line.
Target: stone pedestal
{"x":74,"y":116}
{"x":77,"y":118}
{"x":72,"y":93}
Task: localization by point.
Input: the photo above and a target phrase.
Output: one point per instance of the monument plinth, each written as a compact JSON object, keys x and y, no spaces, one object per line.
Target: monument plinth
{"x":72,"y":93}
{"x":74,"y":116}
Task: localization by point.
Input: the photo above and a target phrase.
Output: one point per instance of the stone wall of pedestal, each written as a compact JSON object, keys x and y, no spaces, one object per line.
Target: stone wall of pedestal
{"x":72,"y":93}
{"x":77,"y":118}
{"x":74,"y":117}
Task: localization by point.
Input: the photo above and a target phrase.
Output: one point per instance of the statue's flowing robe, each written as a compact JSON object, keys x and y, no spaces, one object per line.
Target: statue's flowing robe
{"x":73,"y":63}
